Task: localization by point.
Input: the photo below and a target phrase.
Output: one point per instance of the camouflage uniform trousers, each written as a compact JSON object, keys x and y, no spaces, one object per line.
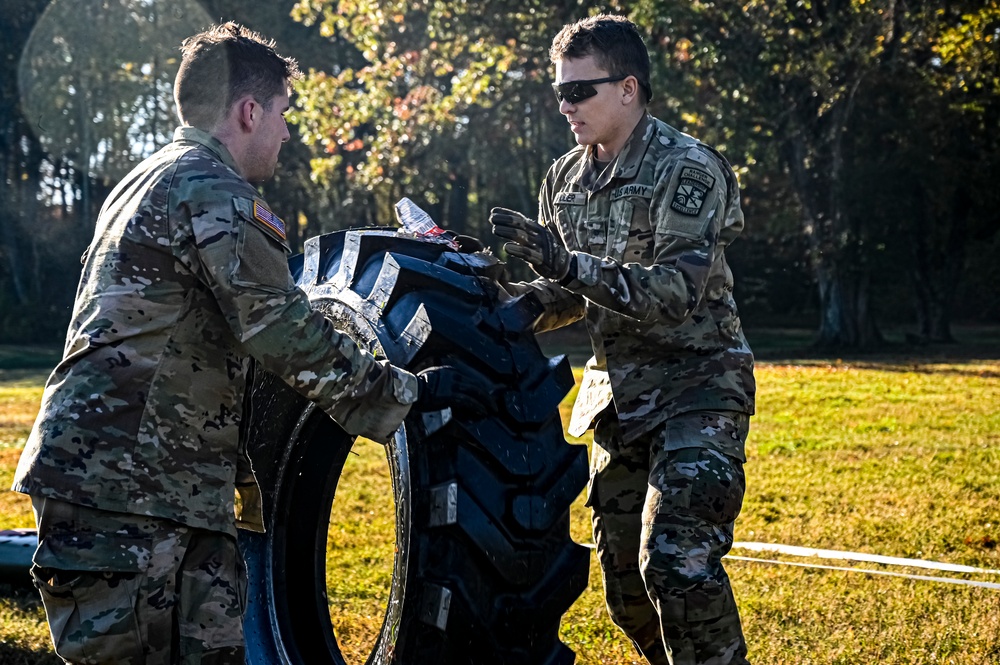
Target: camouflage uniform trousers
{"x":663,"y":512}
{"x":131,"y":590}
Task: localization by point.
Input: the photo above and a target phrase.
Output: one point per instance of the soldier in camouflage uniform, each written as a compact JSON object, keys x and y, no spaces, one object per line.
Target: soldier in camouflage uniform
{"x":135,"y":458}
{"x":634,"y":226}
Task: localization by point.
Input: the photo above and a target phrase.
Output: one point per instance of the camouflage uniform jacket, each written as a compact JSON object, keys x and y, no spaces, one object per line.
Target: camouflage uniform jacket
{"x":648,"y":235}
{"x":186,"y":278}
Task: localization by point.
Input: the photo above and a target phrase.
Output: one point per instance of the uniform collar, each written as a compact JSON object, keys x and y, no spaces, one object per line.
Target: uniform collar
{"x":626,"y":164}
{"x":188,"y":133}
{"x":630,"y":158}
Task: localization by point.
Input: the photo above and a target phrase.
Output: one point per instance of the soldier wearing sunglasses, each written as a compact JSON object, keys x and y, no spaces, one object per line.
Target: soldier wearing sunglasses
{"x":633,"y":228}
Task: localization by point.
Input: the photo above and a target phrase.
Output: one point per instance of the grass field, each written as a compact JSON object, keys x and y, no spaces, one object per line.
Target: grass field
{"x":896,"y":454}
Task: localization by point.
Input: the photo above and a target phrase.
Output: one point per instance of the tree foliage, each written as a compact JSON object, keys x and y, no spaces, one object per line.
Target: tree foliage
{"x":96,"y":77}
{"x":86,"y":94}
{"x":448,"y":104}
{"x":787,"y":88}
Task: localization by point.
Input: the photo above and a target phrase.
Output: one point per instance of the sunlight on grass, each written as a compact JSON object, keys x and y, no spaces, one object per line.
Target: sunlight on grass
{"x":900,"y":459}
{"x":20,"y":395}
{"x":360,"y":547}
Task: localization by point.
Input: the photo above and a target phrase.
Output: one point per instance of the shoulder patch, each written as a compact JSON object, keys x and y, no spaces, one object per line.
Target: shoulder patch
{"x":263,"y":214}
{"x":570,"y":198}
{"x":256,"y":212}
{"x":692,"y":188}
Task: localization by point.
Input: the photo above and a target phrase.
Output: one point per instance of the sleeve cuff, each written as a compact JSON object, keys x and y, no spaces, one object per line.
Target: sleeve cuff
{"x":404,"y":386}
{"x":585,"y":270}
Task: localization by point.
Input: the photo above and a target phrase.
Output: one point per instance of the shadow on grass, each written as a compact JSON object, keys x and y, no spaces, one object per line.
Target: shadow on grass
{"x":25,"y":357}
{"x":25,"y":601}
{"x":11,"y":654}
{"x":790,"y":345}
{"x":971,"y":343}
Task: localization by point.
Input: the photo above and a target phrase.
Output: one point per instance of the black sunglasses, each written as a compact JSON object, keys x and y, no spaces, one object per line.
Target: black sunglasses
{"x":575,"y":92}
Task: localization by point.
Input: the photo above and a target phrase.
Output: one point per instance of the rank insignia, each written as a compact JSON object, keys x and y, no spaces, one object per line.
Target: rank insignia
{"x":268,"y":219}
{"x":692,"y":188}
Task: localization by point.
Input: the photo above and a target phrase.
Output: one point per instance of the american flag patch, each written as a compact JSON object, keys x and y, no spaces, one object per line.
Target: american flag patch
{"x":268,"y":218}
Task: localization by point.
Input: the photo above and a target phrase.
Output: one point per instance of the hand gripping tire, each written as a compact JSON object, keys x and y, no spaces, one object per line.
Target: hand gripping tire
{"x":484,"y":565}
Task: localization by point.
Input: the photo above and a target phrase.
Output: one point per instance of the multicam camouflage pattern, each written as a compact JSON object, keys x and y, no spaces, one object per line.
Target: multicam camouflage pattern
{"x":670,"y":386}
{"x":649,"y":234}
{"x":137,"y":590}
{"x":664,"y":506}
{"x":185,"y":279}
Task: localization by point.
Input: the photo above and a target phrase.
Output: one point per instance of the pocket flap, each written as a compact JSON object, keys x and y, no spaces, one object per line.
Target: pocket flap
{"x":94,"y":552}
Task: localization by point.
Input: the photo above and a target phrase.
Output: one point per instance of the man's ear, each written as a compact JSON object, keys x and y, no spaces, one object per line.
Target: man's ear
{"x":247,"y":111}
{"x":630,"y":88}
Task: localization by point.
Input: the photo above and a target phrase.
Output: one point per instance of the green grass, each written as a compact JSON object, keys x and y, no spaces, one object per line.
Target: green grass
{"x":897,"y":454}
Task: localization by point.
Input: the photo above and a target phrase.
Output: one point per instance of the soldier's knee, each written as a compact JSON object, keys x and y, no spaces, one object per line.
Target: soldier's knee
{"x":705,"y":603}
{"x":683,"y":553}
{"x":687,"y":583}
{"x":674,"y":572}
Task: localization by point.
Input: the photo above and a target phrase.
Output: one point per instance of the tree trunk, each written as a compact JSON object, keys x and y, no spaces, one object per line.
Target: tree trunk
{"x":845,"y":316}
{"x":458,"y":202}
{"x":937,"y":239}
{"x":8,"y":240}
{"x":813,"y":154}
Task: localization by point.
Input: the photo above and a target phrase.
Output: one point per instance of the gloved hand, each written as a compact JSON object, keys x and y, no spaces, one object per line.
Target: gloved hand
{"x":532,"y":242}
{"x":444,"y":386}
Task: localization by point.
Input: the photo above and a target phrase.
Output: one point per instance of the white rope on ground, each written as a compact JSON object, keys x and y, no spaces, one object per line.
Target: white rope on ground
{"x":926,"y":578}
{"x":861,"y":556}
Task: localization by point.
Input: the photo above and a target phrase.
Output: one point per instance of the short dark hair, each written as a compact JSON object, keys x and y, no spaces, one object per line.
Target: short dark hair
{"x":222,"y":64}
{"x":613,"y":40}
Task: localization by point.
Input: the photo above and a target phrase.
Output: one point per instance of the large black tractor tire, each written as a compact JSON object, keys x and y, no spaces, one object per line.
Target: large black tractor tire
{"x":484,"y":566}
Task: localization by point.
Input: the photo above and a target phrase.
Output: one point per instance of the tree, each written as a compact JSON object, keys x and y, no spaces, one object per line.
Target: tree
{"x":778,"y":80}
{"x":20,"y":156}
{"x":444,"y":107}
{"x":95,"y":98}
{"x":947,"y":69}
{"x":779,"y":84}
{"x":100,"y":89}
{"x":93,"y":87}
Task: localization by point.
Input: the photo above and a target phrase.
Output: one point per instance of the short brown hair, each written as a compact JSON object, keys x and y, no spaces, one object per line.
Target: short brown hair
{"x":222,"y":64}
{"x":613,"y":40}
